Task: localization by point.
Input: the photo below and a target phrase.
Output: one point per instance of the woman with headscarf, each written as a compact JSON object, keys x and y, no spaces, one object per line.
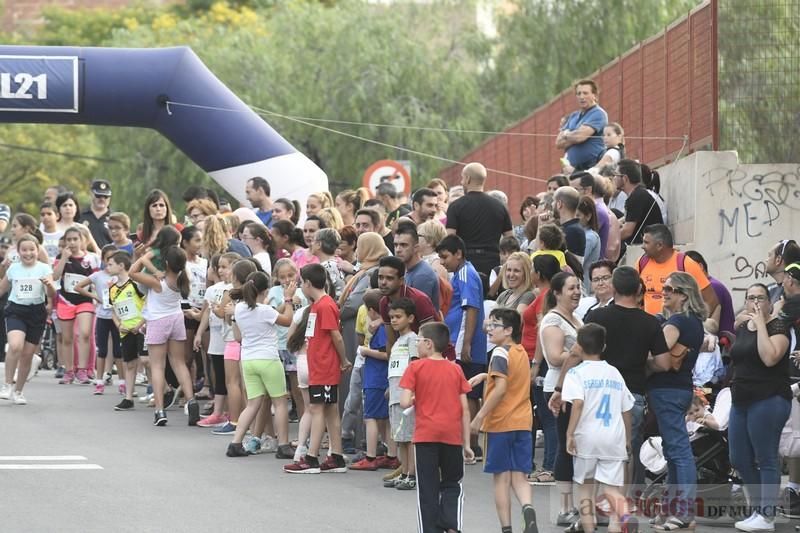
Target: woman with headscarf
{"x":369,"y":251}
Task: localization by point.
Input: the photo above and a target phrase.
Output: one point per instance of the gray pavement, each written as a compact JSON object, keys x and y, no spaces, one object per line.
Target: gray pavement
{"x":178,"y":479}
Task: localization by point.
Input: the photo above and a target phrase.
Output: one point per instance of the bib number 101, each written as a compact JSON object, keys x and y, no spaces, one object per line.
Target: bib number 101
{"x":24,"y":86}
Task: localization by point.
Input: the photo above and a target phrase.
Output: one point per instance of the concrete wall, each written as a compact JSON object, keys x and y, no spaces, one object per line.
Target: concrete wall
{"x":731,"y":213}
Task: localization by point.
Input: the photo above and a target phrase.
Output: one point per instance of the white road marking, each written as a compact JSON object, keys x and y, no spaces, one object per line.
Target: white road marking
{"x":42,"y":458}
{"x":82,"y":466}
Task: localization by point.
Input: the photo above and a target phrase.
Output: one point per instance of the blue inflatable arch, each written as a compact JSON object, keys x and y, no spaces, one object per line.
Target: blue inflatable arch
{"x":130,"y":87}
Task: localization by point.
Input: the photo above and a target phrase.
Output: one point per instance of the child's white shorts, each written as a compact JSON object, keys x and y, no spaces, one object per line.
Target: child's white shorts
{"x":607,"y":471}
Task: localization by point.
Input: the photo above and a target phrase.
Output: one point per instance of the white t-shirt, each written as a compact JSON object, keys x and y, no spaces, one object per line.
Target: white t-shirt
{"x":600,"y":433}
{"x":264,"y":261}
{"x":259,"y":334}
{"x":197,"y":281}
{"x":50,"y":243}
{"x":570,"y":338}
{"x":335,"y":275}
{"x":213,"y":296}
{"x":26,"y":287}
{"x":162,"y":304}
{"x":403,"y":350}
{"x":102,"y":283}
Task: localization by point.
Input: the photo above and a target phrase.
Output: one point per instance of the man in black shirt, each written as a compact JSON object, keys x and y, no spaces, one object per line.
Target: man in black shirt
{"x":96,"y":217}
{"x":387,"y":193}
{"x":632,"y":335}
{"x":641,"y":209}
{"x":480,"y":221}
{"x":566,"y":203}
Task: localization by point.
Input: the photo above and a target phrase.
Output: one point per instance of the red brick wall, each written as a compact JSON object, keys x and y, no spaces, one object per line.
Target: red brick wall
{"x":663,"y":87}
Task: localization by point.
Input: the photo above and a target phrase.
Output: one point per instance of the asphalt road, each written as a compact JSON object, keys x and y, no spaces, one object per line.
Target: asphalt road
{"x":124,"y":475}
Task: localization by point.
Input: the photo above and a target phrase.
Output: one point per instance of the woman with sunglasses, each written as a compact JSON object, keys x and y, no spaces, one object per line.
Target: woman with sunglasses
{"x":761,"y":397}
{"x":670,"y":391}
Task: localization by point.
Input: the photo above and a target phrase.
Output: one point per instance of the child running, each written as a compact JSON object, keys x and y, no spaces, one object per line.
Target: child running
{"x":166,"y":332}
{"x":506,"y":417}
{"x":599,"y":431}
{"x":326,"y":362}
{"x":31,"y":283}
{"x":404,"y":350}
{"x":127,"y":303}
{"x":262,"y":369}
{"x":438,"y":391}
{"x":106,"y":334}
{"x":75,"y":311}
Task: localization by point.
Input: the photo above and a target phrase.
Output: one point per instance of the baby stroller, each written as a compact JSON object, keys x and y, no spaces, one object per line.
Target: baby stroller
{"x":47,"y":348}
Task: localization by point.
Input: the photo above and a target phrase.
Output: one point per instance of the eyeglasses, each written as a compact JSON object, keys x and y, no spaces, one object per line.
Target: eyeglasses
{"x":492,"y":325}
{"x":668,"y":289}
{"x":754,"y":298}
{"x":599,"y":279}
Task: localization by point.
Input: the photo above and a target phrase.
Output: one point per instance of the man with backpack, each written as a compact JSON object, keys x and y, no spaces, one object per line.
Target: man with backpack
{"x":660,"y":259}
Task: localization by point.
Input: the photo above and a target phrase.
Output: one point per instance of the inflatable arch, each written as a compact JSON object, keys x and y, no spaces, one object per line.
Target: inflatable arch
{"x":131,"y":87}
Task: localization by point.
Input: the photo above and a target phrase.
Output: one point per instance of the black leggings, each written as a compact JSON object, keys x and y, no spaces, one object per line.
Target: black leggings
{"x":218,"y":368}
{"x":563,"y":469}
{"x":102,"y":329}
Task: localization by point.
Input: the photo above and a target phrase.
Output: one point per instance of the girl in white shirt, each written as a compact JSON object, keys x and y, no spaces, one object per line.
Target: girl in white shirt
{"x":166,"y":332}
{"x":256,"y":325}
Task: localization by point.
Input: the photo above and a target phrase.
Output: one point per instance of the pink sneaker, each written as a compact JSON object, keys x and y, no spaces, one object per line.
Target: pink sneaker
{"x":83,"y":377}
{"x":122,"y":390}
{"x":68,"y":379}
{"x":99,"y":389}
{"x":213,"y":421}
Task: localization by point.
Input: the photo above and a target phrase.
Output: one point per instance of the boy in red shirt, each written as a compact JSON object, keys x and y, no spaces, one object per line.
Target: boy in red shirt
{"x":438,"y":391}
{"x":326,"y":362}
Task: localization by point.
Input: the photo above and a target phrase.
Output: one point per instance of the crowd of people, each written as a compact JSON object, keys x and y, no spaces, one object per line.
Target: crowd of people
{"x":397,"y":331}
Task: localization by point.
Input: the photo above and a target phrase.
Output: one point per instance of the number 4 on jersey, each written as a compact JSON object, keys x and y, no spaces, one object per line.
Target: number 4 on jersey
{"x":604,"y":410}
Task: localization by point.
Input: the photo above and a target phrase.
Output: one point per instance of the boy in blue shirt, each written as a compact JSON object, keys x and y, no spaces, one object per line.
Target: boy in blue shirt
{"x":465,"y":319}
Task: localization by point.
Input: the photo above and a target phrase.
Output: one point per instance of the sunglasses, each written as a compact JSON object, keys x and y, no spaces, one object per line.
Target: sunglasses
{"x":669,"y":289}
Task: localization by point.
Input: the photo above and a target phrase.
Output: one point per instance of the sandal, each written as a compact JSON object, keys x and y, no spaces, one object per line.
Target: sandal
{"x":673,"y":523}
{"x":575,"y":527}
{"x":545,"y":477}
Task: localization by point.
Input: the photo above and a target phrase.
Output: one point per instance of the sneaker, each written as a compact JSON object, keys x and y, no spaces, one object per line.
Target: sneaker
{"x":122,"y":389}
{"x":478,"y":454}
{"x":393,"y":474}
{"x":7,"y":391}
{"x":193,"y":410}
{"x":304,"y":466}
{"x":212,"y":421}
{"x":285,"y":451}
{"x":390,"y":483}
{"x":406,"y":483}
{"x":388,"y":463}
{"x":529,"y":519}
{"x":35,"y":362}
{"x":755,"y":523}
{"x":68,"y":378}
{"x":170,"y":397}
{"x":253,"y":446}
{"x":293,"y":418}
{"x":83,"y":377}
{"x":270,"y":445}
{"x":235,"y":449}
{"x":333,"y":465}
{"x":19,"y":398}
{"x":208,"y":410}
{"x":60,"y":371}
{"x":99,"y":389}
{"x":566,"y":519}
{"x":790,"y":507}
{"x":109,"y":379}
{"x":146,"y":398}
{"x":227,"y":429}
{"x":369,"y":465}
{"x":124,"y":405}
{"x":160,"y":418}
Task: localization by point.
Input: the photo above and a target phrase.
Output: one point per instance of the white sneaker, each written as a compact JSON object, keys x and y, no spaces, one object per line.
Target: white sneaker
{"x":7,"y":391}
{"x":146,"y":398}
{"x":269,"y":444}
{"x":19,"y":398}
{"x":755,"y":523}
{"x":141,"y":379}
{"x":35,"y":362}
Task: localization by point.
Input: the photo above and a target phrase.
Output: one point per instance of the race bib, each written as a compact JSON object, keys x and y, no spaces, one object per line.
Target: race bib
{"x":71,"y":281}
{"x":126,"y":309}
{"x":27,"y":290}
{"x":398,"y":362}
{"x":106,"y":298}
{"x":312,"y":322}
{"x":197,"y":290}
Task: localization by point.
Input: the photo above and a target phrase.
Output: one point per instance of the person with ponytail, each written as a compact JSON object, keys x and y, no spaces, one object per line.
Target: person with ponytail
{"x":317,"y":201}
{"x":287,"y":237}
{"x":285,"y":209}
{"x":256,"y":325}
{"x":166,"y":333}
{"x":349,"y":202}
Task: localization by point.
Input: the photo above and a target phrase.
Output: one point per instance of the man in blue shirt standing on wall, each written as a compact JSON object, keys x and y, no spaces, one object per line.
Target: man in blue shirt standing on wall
{"x":582,"y":134}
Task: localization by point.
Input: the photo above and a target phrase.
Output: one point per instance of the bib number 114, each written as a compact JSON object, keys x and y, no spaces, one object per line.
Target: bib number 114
{"x":24,"y":86}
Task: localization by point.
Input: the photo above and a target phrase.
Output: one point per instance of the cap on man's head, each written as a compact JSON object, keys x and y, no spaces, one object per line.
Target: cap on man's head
{"x":793,"y":270}
{"x":101,"y":188}
{"x":5,"y":241}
